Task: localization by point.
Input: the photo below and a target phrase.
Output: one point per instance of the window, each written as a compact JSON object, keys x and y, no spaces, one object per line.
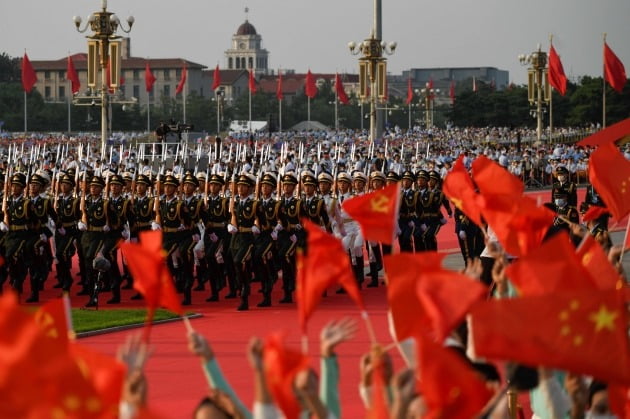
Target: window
{"x":47,"y":75}
{"x":167,"y":74}
{"x":136,"y":74}
{"x":251,"y":62}
{"x":238,"y":62}
{"x":167,"y":90}
{"x":61,"y":74}
{"x":47,"y":92}
{"x":178,"y":73}
{"x":243,"y":63}
{"x":136,"y":91}
{"x":230,"y":63}
{"x":62,"y":92}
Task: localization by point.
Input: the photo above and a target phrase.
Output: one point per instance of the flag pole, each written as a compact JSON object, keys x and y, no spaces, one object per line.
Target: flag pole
{"x":280,"y":115}
{"x":25,"y":116}
{"x":216,"y":96}
{"x":250,"y":110}
{"x":550,"y":100}
{"x":604,"y":87}
{"x":148,"y":111}
{"x":309,"y":112}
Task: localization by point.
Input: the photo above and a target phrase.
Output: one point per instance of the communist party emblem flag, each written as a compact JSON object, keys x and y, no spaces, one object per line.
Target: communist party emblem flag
{"x":340,"y":91}
{"x":579,"y":331}
{"x":310,"y":88}
{"x":251,"y":82}
{"x":609,"y":172}
{"x":376,"y":212}
{"x":459,"y":188}
{"x":55,"y":320}
{"x":279,"y":93}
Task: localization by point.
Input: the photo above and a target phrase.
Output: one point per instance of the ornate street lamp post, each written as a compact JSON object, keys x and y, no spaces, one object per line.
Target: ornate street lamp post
{"x":537,"y":84}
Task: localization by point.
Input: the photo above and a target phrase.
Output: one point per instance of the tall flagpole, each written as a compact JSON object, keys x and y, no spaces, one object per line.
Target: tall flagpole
{"x":25,"y":117}
{"x":250,"y":110}
{"x":336,"y":111}
{"x":184,"y":97}
{"x":604,"y":86}
{"x":69,"y":116}
{"x":216,"y":96}
{"x":279,"y":115}
{"x":309,"y":112}
{"x":148,"y":111}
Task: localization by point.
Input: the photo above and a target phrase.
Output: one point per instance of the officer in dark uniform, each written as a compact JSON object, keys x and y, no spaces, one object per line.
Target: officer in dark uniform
{"x":143,"y":208}
{"x":40,"y":233}
{"x":243,"y":228}
{"x":291,"y":234}
{"x":174,"y":218}
{"x":119,"y":230}
{"x":68,"y":215}
{"x":564,"y":184}
{"x":4,"y":271}
{"x":215,"y":237}
{"x":191,"y":235}
{"x":392,"y":177}
{"x":432,"y":220}
{"x":17,"y":219}
{"x":565,"y":212}
{"x":593,"y":198}
{"x":314,"y":206}
{"x":469,"y":236}
{"x":265,"y":242}
{"x":410,"y":210}
{"x":377,"y":182}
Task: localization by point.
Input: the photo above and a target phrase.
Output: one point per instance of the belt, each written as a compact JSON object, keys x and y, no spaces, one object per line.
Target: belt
{"x":292,"y":226}
{"x":143,"y":224}
{"x":244,"y":229}
{"x":170,"y":229}
{"x":95,"y":229}
{"x":18,"y":228}
{"x":413,"y":214}
{"x":430,"y":214}
{"x":215,"y":225}
{"x":68,"y":225}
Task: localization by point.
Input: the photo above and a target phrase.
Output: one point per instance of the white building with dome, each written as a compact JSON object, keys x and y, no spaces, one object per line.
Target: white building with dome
{"x":247,"y":51}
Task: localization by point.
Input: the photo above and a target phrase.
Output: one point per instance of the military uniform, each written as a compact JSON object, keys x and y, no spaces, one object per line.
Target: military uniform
{"x":215,"y":241}
{"x":565,"y":186}
{"x":565,"y":212}
{"x":375,"y":255}
{"x":290,"y":237}
{"x":593,"y":198}
{"x":408,"y":215}
{"x":431,"y":220}
{"x":469,"y":236}
{"x":68,"y":215}
{"x":143,"y":210}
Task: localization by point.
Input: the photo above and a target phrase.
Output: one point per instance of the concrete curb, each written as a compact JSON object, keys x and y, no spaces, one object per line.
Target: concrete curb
{"x":132,"y":326}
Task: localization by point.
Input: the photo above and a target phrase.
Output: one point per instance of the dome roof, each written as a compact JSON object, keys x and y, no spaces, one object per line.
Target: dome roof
{"x":246,"y":28}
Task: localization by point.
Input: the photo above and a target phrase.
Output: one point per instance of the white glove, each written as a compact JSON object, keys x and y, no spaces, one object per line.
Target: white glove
{"x":125,"y":234}
{"x":398,"y":230}
{"x":274,"y":235}
{"x":213,"y":238}
{"x":106,"y":228}
{"x":278,"y":227}
{"x":155,"y":226}
{"x":232,"y":229}
{"x":196,"y":238}
{"x":255,"y":230}
{"x":462,"y":234}
{"x":423,"y":227}
{"x":3,"y":227}
{"x":43,"y":237}
{"x":61,"y":231}
{"x":443,"y":221}
{"x":293,"y":238}
{"x":298,"y":226}
{"x":411,"y":224}
{"x":181,"y":227}
{"x":82,"y":226}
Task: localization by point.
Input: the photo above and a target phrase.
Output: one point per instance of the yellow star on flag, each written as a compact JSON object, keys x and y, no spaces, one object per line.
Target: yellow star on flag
{"x":604,"y":319}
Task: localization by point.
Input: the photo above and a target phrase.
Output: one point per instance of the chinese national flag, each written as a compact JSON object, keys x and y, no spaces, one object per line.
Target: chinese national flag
{"x":216,"y":78}
{"x":409,"y":92}
{"x":29,"y":77}
{"x":281,"y":364}
{"x":492,"y":179}
{"x":376,"y":212}
{"x":182,"y":81}
{"x":310,"y":88}
{"x":595,"y":261}
{"x":55,"y":320}
{"x":553,"y":267}
{"x":608,"y":135}
{"x":593,"y":213}
{"x":614,"y":70}
{"x":619,"y":399}
{"x":557,"y":77}
{"x":459,"y":188}
{"x":146,"y":261}
{"x":325,"y":263}
{"x":105,"y":372}
{"x":341,"y":93}
{"x":579,"y":331}
{"x":609,"y":172}
{"x":71,"y":74}
{"x":450,"y":388}
{"x":279,"y":94}
{"x":149,"y":78}
{"x":252,"y":82}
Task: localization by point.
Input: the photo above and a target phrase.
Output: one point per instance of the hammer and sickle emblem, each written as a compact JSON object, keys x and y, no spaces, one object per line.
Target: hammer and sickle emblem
{"x":379,"y":203}
{"x":47,"y":323}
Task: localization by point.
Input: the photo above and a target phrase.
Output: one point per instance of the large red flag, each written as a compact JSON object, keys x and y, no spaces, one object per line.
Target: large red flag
{"x":492,"y":179}
{"x":575,"y":331}
{"x":341,"y":93}
{"x":149,"y":78}
{"x":595,"y":261}
{"x":182,"y":81}
{"x":609,"y":172}
{"x":610,"y":134}
{"x":614,"y":70}
{"x":594,"y":212}
{"x":325,"y":263}
{"x":216,"y":78}
{"x":409,"y":92}
{"x":557,"y":77}
{"x":73,"y":76}
{"x":310,"y":88}
{"x":459,"y":188}
{"x":29,"y":77}
{"x":376,"y":212}
{"x":451,"y":92}
{"x":450,"y":388}
{"x":279,"y":93}
{"x":281,"y":366}
{"x":251,"y":82}
{"x":55,"y":320}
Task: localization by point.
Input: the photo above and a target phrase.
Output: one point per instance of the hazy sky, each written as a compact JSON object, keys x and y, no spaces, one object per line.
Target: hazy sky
{"x":302,"y":34}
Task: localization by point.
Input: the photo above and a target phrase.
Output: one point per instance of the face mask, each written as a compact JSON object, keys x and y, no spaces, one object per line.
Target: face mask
{"x":562,"y":178}
{"x":561,"y":202}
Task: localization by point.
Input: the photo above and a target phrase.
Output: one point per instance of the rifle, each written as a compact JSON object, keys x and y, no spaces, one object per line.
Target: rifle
{"x":232,"y":199}
{"x":133,"y":187}
{"x":84,"y":218}
{"x":7,"y":180}
{"x":205,"y":187}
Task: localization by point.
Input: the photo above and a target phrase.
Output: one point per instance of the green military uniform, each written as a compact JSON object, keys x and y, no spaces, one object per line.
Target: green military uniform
{"x":190,"y":236}
{"x":289,"y":237}
{"x":124,"y":216}
{"x":409,"y":214}
{"x":431,"y":200}
{"x":215,"y":240}
{"x":68,"y":215}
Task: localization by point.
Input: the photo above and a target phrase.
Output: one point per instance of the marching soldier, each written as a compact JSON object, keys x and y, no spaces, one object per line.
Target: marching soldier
{"x":68,"y":215}
{"x":201,"y":265}
{"x":143,"y":210}
{"x":469,"y":236}
{"x":333,"y":209}
{"x":565,"y":212}
{"x":291,"y":234}
{"x":191,"y":236}
{"x":353,"y":240}
{"x":243,"y":228}
{"x":593,"y":198}
{"x":4,"y":272}
{"x":375,"y":257}
{"x":265,"y":242}
{"x":408,"y":216}
{"x":314,"y":206}
{"x":432,"y":199}
{"x":564,"y":184}
{"x":215,"y":237}
{"x":392,"y":177}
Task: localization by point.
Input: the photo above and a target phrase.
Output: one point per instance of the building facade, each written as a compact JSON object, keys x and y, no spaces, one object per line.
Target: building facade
{"x":247,"y":52}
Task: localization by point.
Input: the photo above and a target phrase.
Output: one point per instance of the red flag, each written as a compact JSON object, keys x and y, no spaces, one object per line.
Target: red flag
{"x":409,"y":92}
{"x":449,"y":387}
{"x":430,"y":88}
{"x":281,"y":366}
{"x":576,"y":331}
{"x":451,"y":92}
{"x":619,"y":399}
{"x":55,"y":320}
{"x":378,"y":407}
{"x":71,"y":74}
{"x":182,"y":81}
{"x":341,"y":93}
{"x":279,"y":94}
{"x":216,"y":78}
{"x":609,"y":172}
{"x":152,"y":279}
{"x":310,"y":88}
{"x":553,"y":267}
{"x":556,"y":72}
{"x":595,"y":261}
{"x":325,"y":263}
{"x":608,"y":135}
{"x":459,"y":188}
{"x":376,"y":212}
{"x":29,"y":77}
{"x":149,"y":78}
{"x":614,"y":71}
{"x":594,"y":212}
{"x":492,"y":179}
{"x":252,"y":82}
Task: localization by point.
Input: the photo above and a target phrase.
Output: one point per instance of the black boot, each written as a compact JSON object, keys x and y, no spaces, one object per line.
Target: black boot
{"x":374,"y":275}
{"x":287,"y":298}
{"x":244,"y":304}
{"x":359,"y":271}
{"x":34,"y":298}
{"x":266,"y":302}
{"x":187,"y":296}
{"x":214,"y":295}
